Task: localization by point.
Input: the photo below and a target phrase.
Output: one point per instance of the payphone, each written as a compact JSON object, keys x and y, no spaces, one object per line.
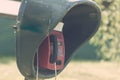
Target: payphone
{"x":52,"y":50}
{"x":35,"y":34}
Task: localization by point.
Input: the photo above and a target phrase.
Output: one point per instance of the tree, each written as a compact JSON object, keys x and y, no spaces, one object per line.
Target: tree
{"x":107,"y":40}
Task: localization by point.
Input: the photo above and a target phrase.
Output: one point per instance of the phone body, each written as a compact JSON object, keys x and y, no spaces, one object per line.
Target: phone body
{"x":51,"y":51}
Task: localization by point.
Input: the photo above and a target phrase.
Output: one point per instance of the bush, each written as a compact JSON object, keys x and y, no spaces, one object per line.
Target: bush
{"x":107,"y":38}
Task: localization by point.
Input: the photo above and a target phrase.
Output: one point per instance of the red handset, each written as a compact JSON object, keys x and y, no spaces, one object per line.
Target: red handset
{"x":51,"y":51}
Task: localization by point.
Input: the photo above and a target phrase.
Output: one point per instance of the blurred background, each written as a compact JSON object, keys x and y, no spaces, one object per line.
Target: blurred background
{"x":97,"y":59}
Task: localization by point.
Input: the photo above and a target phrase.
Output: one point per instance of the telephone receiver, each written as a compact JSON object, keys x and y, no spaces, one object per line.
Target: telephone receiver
{"x":54,"y":49}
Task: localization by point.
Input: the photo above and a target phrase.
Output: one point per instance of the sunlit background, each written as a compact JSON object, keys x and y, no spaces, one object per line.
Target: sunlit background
{"x":98,"y":59}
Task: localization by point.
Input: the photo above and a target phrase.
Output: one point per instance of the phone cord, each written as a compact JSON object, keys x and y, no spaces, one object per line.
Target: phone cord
{"x":37,"y":72}
{"x":55,"y":71}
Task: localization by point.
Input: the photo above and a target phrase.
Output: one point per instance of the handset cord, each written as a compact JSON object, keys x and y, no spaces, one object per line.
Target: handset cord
{"x":55,"y":71}
{"x":37,"y":72}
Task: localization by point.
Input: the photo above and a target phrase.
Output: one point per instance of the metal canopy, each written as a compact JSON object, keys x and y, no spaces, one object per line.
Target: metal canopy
{"x":36,"y":20}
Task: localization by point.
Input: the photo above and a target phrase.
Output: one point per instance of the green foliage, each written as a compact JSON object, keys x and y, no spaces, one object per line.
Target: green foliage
{"x":108,"y":36}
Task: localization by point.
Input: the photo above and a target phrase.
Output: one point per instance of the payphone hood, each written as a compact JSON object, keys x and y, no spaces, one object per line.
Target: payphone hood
{"x":37,"y":18}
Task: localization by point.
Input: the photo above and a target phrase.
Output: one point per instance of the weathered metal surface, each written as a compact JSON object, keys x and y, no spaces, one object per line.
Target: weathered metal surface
{"x":36,"y":20}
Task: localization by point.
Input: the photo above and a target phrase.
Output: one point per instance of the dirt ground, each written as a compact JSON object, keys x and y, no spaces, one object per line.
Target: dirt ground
{"x":74,"y":71}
